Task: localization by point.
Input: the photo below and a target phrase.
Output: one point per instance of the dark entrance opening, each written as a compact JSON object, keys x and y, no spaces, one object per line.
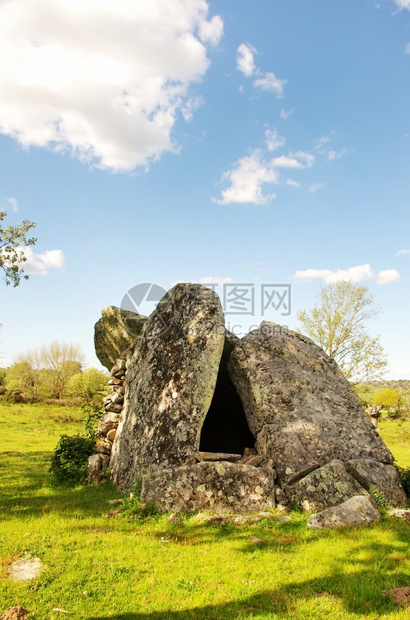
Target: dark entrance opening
{"x":225,"y":428}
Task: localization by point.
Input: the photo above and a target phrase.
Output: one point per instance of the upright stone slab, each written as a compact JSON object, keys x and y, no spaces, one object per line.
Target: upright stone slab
{"x":169,"y":384}
{"x":298,"y":404}
{"x":114,"y":332}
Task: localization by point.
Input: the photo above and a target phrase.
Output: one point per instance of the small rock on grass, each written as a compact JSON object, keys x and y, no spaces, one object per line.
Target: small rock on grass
{"x":401,"y":596}
{"x":401,"y":514}
{"x":112,"y":502}
{"x":113,"y":513}
{"x":15,"y":613}
{"x":174,"y":517}
{"x":254,"y":540}
{"x":25,"y":569}
{"x":357,"y":510}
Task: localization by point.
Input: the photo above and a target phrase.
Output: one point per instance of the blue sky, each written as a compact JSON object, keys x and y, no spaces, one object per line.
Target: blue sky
{"x":263,"y":142}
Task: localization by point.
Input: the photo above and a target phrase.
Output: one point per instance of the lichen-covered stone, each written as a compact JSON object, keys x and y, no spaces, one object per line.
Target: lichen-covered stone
{"x":114,"y":332}
{"x":298,"y":404}
{"x":96,"y":464}
{"x":217,"y":486}
{"x":327,"y":486}
{"x":170,"y":383}
{"x":357,"y":510}
{"x":374,"y":475}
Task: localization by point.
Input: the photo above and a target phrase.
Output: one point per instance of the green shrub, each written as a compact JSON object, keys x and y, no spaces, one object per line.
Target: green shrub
{"x":70,"y":459}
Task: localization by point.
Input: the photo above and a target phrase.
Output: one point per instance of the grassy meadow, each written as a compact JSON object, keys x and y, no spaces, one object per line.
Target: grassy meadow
{"x":130,"y":566}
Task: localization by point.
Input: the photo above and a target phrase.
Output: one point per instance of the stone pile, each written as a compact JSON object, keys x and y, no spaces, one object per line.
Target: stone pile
{"x":108,"y":423}
{"x":209,"y":421}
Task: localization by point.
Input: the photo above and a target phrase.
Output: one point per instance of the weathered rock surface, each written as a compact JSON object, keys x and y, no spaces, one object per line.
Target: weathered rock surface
{"x":186,"y":390}
{"x":217,"y":456}
{"x":374,"y":475}
{"x":15,"y":613}
{"x":114,"y":332}
{"x":298,"y":404}
{"x":216,"y":486}
{"x":355,"y":511}
{"x":327,"y":486}
{"x":25,"y":569}
{"x":170,"y":383}
{"x":96,"y":464}
{"x":400,"y":514}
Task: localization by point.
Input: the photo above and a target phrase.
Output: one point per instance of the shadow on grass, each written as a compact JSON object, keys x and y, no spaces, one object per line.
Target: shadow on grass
{"x":26,"y":490}
{"x":338,"y":589}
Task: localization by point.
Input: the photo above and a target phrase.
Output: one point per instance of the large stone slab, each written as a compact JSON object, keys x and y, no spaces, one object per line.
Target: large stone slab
{"x":298,"y":404}
{"x":355,"y":511}
{"x":327,"y":486}
{"x":170,"y":383}
{"x":210,"y":486}
{"x":374,"y":475}
{"x":114,"y":332}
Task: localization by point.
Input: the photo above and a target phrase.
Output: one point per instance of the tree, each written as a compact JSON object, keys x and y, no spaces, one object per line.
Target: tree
{"x":45,"y":371}
{"x":337,"y":324}
{"x":387,"y":398}
{"x":13,"y":240}
{"x":88,"y":384}
{"x":24,"y":375}
{"x":62,"y":360}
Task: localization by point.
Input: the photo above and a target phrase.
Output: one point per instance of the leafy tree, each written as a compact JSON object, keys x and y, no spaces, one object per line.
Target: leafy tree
{"x":45,"y":371}
{"x":337,"y":324}
{"x":88,"y":384}
{"x":25,"y":375}
{"x":62,"y":360}
{"x":13,"y":240}
{"x":387,"y":398}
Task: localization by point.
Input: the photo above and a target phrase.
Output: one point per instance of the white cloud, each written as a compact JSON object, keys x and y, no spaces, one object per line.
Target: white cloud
{"x":323,"y":141}
{"x":250,"y":173}
{"x":40,"y":264}
{"x":206,"y":281}
{"x":211,"y":280}
{"x":246,"y":179}
{"x":270,"y":83}
{"x":402,"y":4}
{"x":286,"y":162}
{"x":307,"y":158}
{"x":273,"y":140}
{"x":352,"y":274}
{"x":402,"y":252}
{"x":190,"y":107}
{"x":315,"y":187}
{"x":388,"y":275}
{"x":245,"y":62}
{"x":286,"y":113}
{"x":407,"y":48}
{"x":292,"y":183}
{"x":211,"y":31}
{"x":104,"y":80}
{"x":8,"y":202}
{"x":332,"y":155}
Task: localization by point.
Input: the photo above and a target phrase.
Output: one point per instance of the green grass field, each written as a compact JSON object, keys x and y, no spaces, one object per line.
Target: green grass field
{"x":144,"y":568}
